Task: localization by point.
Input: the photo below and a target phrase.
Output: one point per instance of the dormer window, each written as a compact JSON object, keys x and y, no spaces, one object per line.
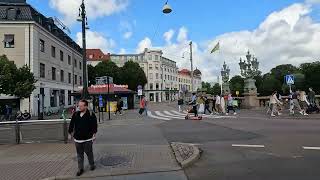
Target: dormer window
{"x":11,"y":14}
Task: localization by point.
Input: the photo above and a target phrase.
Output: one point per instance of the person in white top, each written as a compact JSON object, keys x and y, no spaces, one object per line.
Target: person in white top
{"x":223,"y":105}
{"x":218,"y":104}
{"x":274,"y":101}
{"x":304,"y":103}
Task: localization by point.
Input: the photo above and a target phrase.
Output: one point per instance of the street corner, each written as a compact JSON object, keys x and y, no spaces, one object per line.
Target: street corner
{"x":186,"y":154}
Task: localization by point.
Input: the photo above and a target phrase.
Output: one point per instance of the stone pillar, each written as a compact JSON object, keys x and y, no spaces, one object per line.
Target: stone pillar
{"x":225,"y":88}
{"x":250,"y":94}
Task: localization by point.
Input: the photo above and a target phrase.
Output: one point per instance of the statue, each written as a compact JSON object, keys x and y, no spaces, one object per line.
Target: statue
{"x":225,"y":74}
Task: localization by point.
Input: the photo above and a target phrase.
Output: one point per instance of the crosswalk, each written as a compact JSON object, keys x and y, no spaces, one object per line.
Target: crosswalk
{"x":169,"y":115}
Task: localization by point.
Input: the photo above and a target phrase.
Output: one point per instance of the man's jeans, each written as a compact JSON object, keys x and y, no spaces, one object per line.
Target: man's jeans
{"x":85,"y":147}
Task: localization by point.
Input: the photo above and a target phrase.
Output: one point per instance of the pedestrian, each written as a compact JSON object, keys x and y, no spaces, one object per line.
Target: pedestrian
{"x":312,"y":97}
{"x":213,"y":109}
{"x":230,"y":105}
{"x":218,"y":104}
{"x":223,"y":105}
{"x":194,"y":104}
{"x":295,"y":103}
{"x":207,"y":105}
{"x":119,"y":106}
{"x":180,"y":103}
{"x":83,"y":129}
{"x":304,"y":103}
{"x":142,"y":105}
{"x":7,"y":112}
{"x":201,"y":102}
{"x":274,"y":101}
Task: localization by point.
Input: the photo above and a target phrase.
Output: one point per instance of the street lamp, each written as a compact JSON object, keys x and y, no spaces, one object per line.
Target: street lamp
{"x":84,"y":20}
{"x":166,"y":8}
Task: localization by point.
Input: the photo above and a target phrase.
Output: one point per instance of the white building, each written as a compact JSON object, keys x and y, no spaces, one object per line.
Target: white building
{"x":30,"y":38}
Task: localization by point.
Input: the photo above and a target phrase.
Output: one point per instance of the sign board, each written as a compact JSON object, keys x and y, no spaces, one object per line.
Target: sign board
{"x":237,"y":93}
{"x":140,"y":92}
{"x":104,"y":80}
{"x":289,"y":79}
{"x":100,"y":101}
{"x":125,"y":102}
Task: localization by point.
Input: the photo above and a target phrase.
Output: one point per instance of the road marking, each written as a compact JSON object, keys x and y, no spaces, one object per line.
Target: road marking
{"x":6,"y":129}
{"x":173,"y":115}
{"x":158,"y":113}
{"x":178,"y":113}
{"x":248,"y":145}
{"x":157,"y":117}
{"x":311,"y":148}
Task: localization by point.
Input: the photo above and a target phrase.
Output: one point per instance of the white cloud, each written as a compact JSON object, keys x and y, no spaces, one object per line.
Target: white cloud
{"x":168,"y":36}
{"x":94,"y":8}
{"x":122,"y":51}
{"x":286,"y":36}
{"x":96,"y":40}
{"x":183,"y":34}
{"x":127,"y":35}
{"x":145,"y":43}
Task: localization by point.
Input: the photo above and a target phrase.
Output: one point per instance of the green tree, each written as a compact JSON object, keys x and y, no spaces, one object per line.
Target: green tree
{"x":236,"y":84}
{"x":132,"y":75}
{"x":207,"y":86}
{"x":312,"y":75}
{"x":15,"y":81}
{"x":106,"y":68}
{"x":270,"y":84}
{"x":216,"y":89}
{"x":279,"y":72}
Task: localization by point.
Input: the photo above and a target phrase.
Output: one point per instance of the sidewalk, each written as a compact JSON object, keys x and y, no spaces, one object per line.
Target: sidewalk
{"x":124,"y":146}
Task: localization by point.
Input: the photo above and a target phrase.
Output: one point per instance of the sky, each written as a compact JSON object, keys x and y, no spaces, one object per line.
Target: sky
{"x":274,"y":31}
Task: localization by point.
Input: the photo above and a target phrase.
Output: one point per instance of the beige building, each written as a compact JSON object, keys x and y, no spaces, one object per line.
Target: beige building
{"x":161,"y":73}
{"x":185,"y":80}
{"x":29,"y":38}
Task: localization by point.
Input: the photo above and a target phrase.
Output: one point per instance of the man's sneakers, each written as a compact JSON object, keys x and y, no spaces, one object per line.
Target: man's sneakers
{"x":272,"y":115}
{"x":80,"y":172}
{"x":92,"y":168}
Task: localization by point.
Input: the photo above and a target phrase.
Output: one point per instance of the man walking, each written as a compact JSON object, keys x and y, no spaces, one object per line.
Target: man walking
{"x":83,"y":128}
{"x":119,"y":106}
{"x":312,"y":96}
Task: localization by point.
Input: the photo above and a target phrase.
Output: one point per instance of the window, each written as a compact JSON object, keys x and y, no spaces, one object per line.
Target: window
{"x":150,"y":76}
{"x":157,"y":67}
{"x":42,"y":46}
{"x":161,"y":76}
{"x":165,"y":76}
{"x":157,"y":76}
{"x":69,"y":97}
{"x":53,"y":51}
{"x":136,"y":58}
{"x":80,"y":65}
{"x":156,"y":57}
{"x":61,"y":75}
{"x":75,"y":79}
{"x":157,"y":86}
{"x":53,"y":73}
{"x":150,"y":57}
{"x":8,"y":41}
{"x":75,"y":63}
{"x":80,"y":79}
{"x":69,"y":78}
{"x":150,"y":66}
{"x":61,"y":55}
{"x":151,"y":86}
{"x":69,"y":59}
{"x":42,"y":70}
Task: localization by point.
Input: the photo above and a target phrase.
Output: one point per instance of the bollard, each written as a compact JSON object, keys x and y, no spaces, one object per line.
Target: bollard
{"x":65,"y":127}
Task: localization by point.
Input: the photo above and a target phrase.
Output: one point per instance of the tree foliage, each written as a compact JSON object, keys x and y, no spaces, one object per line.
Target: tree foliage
{"x":237,"y":84}
{"x":15,"y":81}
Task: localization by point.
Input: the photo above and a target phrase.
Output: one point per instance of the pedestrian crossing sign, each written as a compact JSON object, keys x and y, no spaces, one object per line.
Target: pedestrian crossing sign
{"x":289,"y":79}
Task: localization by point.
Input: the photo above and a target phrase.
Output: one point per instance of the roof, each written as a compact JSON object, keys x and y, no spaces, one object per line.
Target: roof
{"x":19,"y":10}
{"x":197,"y":72}
{"x":185,"y":72}
{"x":97,"y":55}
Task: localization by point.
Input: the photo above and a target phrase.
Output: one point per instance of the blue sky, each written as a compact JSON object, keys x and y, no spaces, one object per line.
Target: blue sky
{"x":205,"y":22}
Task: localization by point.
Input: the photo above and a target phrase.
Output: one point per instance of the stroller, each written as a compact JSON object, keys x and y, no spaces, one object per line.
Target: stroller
{"x":312,"y":108}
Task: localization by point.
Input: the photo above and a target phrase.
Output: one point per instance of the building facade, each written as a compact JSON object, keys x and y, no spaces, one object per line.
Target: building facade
{"x":29,"y":38}
{"x":162,"y":74}
{"x":95,"y":56}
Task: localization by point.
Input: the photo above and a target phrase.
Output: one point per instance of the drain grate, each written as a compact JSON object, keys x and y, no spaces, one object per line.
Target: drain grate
{"x":114,"y":160}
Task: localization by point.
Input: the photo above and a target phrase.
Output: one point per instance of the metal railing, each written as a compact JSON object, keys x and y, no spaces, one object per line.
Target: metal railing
{"x":34,"y":131}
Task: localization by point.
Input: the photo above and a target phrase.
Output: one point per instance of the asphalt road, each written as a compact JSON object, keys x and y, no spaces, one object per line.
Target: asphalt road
{"x":253,"y":146}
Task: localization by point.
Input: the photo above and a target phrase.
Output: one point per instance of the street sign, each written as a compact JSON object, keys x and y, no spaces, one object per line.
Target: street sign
{"x":100,"y":101}
{"x":140,"y":92}
{"x":237,"y":93}
{"x":139,"y":87}
{"x":289,"y":79}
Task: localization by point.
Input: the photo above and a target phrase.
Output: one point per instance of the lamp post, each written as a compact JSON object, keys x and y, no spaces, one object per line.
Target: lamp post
{"x":191,"y":62}
{"x":166,"y":8}
{"x":83,"y":18}
{"x":249,"y":69}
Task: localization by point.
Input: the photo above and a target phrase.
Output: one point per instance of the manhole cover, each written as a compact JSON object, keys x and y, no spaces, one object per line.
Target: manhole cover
{"x":113,"y":160}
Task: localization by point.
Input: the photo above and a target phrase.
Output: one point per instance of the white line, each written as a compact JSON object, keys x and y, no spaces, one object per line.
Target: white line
{"x":158,"y":113}
{"x":173,"y":115}
{"x":311,"y":148}
{"x":248,"y":145}
{"x":157,"y":117}
{"x":178,"y":113}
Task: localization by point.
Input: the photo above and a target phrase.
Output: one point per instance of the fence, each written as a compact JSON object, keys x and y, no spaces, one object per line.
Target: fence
{"x":34,"y":131}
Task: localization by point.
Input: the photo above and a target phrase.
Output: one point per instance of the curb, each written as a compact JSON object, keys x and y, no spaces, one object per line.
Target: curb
{"x":191,"y":159}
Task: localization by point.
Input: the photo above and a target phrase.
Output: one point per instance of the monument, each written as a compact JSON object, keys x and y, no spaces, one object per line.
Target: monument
{"x":249,"y":69}
{"x":225,"y":74}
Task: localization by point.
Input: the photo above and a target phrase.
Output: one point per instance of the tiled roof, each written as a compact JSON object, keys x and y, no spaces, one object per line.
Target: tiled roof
{"x":185,"y":72}
{"x":97,"y":55}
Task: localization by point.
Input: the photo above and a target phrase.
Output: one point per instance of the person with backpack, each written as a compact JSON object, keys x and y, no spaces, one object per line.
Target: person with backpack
{"x":83,"y":128}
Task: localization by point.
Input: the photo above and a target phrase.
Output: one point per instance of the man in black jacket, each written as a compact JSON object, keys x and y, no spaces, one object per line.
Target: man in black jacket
{"x":83,"y":128}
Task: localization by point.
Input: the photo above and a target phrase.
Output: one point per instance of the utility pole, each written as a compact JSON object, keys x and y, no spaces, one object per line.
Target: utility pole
{"x":192,"y":83}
